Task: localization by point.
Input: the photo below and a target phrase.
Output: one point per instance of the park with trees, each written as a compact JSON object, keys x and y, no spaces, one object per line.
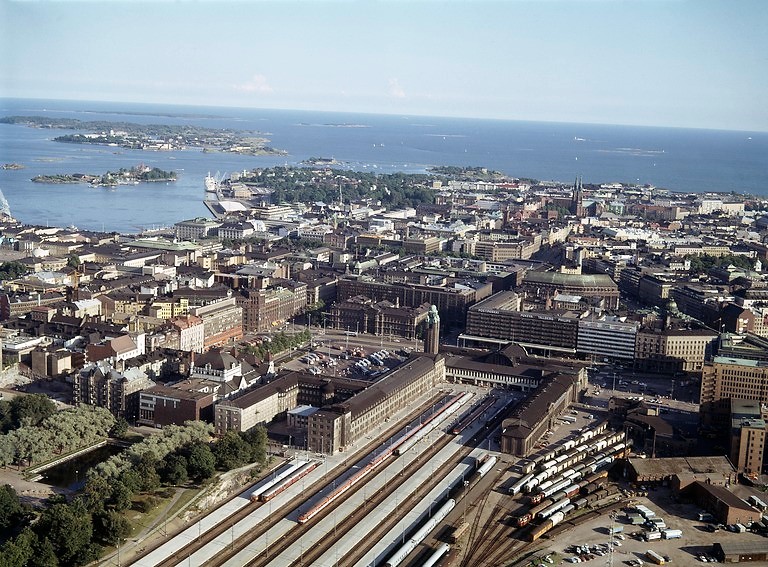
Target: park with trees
{"x":146,"y":475}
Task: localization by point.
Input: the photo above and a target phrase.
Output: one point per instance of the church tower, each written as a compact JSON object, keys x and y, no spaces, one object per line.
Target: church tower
{"x":577,"y":206}
{"x":432,"y":334}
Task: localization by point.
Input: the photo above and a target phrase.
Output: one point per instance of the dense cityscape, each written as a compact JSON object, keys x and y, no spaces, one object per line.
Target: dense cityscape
{"x":466,"y":367}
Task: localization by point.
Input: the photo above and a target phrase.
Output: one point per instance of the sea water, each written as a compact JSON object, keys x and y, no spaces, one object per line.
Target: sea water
{"x":673,"y":158}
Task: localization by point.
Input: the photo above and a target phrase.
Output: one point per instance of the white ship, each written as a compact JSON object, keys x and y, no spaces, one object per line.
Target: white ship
{"x":211,"y":183}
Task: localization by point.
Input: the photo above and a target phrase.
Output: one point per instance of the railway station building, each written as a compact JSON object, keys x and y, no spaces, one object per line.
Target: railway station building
{"x":347,"y":410}
{"x":530,"y":420}
{"x":338,"y":426}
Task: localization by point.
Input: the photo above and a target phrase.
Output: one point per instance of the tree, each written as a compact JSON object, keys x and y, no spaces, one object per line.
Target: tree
{"x":19,"y":551}
{"x":256,"y":437}
{"x":31,"y":410}
{"x":111,"y":527}
{"x":69,"y":527}
{"x":73,"y":261}
{"x":231,"y":451}
{"x":121,"y":496}
{"x":132,"y":479}
{"x":147,"y":471}
{"x":12,"y":270}
{"x":43,"y":553}
{"x":174,"y":469}
{"x":10,"y":507}
{"x":119,"y":429}
{"x":96,"y":492}
{"x":201,"y":463}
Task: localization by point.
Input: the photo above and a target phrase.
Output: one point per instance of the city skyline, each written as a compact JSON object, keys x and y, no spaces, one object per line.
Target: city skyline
{"x":656,"y":63}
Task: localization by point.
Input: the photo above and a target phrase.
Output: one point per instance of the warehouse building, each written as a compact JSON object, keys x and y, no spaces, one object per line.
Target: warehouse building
{"x":681,"y":471}
{"x":736,"y":552}
{"x":724,"y":505}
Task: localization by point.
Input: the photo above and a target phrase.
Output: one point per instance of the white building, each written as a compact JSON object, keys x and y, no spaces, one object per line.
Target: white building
{"x":607,"y":338}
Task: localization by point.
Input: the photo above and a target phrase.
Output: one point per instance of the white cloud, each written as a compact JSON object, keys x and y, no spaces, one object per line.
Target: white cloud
{"x":256,"y":84}
{"x":396,"y":89}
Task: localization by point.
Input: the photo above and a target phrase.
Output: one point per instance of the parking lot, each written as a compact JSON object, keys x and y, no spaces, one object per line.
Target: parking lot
{"x":630,"y":548}
{"x":350,"y":359}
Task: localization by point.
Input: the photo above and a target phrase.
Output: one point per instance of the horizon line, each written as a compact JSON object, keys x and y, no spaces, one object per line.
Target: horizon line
{"x":393,"y":114}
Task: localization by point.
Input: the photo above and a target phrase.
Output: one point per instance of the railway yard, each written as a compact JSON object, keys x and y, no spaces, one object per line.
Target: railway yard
{"x":434,"y":490}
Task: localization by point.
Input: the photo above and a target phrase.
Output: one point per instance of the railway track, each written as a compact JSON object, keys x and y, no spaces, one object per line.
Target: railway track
{"x":222,"y":527}
{"x":483,"y":540}
{"x":516,"y":549}
{"x":346,"y":524}
{"x":384,"y":528}
{"x":350,"y":521}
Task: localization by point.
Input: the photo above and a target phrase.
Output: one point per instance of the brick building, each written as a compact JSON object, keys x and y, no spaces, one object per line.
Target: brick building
{"x":265,"y":309}
{"x":362,"y":314}
{"x":451,"y":299}
{"x":101,"y":385}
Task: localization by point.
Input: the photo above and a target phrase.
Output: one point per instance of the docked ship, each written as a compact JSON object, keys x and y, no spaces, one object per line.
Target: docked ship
{"x":211,"y":183}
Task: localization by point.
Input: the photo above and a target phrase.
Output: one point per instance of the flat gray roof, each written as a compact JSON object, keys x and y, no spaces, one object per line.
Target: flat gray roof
{"x":573,"y":280}
{"x":660,"y":468}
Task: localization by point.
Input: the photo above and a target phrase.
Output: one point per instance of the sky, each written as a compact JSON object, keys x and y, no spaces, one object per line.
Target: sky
{"x":695,"y":63}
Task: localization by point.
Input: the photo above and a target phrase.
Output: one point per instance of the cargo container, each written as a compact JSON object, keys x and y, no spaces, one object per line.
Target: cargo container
{"x":654,"y":557}
{"x":672,"y":534}
{"x":651,"y":536}
{"x":615,"y":530}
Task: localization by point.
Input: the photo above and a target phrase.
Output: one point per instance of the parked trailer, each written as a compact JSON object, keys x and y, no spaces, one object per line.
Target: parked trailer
{"x":279,"y":476}
{"x":437,"y":555}
{"x":672,"y":534}
{"x":652,"y":536}
{"x":300,"y":473}
{"x":556,"y":487}
{"x":645,"y":512}
{"x":531,"y":484}
{"x":543,"y":505}
{"x":595,"y":476}
{"x":571,"y":491}
{"x":544,"y":485}
{"x":487,"y":466}
{"x":654,"y":557}
{"x":405,"y":550}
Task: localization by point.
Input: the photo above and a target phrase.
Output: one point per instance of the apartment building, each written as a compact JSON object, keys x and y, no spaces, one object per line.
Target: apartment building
{"x":222,"y":321}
